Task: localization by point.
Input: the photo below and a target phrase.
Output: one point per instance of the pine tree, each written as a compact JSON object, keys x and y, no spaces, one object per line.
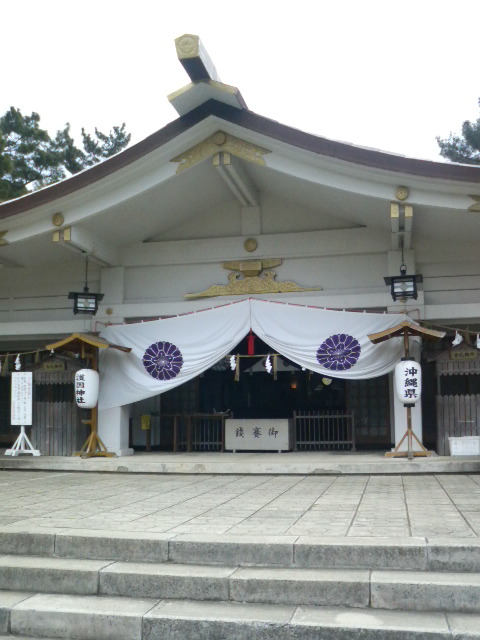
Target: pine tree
{"x":31,"y":159}
{"x":464,"y":149}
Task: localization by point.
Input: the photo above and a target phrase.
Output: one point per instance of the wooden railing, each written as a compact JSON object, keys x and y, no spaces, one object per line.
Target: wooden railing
{"x":324,"y":431}
{"x":196,"y":431}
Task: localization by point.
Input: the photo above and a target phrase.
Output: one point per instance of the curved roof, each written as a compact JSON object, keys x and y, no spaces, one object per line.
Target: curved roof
{"x":359,"y":156}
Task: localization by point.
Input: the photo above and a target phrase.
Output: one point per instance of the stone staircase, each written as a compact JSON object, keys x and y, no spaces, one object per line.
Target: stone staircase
{"x":93,"y":585}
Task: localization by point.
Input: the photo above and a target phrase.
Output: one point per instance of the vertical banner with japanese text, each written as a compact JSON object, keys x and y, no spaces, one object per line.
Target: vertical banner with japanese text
{"x":21,"y":405}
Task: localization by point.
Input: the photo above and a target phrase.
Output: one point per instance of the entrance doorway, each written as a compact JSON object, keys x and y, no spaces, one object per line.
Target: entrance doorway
{"x":190,"y":417}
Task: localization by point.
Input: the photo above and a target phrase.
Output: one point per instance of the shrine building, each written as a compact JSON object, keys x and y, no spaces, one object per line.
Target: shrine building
{"x":243,"y":262}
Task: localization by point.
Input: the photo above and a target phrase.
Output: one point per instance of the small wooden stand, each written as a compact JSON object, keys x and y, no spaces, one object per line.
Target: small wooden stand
{"x":87,"y":346}
{"x":407,"y":329}
{"x":409,"y":435}
{"x":93,"y":447}
{"x":19,"y":446}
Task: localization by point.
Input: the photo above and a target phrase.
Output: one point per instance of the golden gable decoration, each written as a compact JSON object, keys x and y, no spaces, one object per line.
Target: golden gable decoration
{"x":247,"y":279}
{"x":220,"y":141}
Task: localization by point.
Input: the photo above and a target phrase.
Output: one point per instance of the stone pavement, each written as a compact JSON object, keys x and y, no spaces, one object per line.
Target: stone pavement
{"x":394,"y":506}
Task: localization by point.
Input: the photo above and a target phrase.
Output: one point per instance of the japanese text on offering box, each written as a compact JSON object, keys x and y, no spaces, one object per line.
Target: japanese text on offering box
{"x":258,"y":435}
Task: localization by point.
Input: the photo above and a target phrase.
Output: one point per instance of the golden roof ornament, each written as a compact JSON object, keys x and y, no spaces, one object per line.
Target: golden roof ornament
{"x":401,"y":193}
{"x":250,"y":277}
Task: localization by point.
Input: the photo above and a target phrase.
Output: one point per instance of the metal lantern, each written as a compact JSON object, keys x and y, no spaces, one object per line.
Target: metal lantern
{"x":403,"y":287}
{"x":408,"y":381}
{"x":87,"y":384}
{"x":85,"y":302}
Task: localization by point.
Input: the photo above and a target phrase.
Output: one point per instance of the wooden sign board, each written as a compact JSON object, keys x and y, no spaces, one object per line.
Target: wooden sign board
{"x":21,"y":407}
{"x":464,"y":354}
{"x":53,"y":366}
{"x":258,"y":435}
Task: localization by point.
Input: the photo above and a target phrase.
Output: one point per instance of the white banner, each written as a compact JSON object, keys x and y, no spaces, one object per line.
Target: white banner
{"x":167,"y":353}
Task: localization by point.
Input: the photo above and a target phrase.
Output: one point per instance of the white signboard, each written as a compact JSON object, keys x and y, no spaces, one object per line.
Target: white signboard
{"x":21,"y":409}
{"x":465,"y":446}
{"x":258,"y":435}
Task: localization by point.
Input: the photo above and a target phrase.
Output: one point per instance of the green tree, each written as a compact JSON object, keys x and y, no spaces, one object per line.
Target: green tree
{"x":464,"y":149}
{"x":31,"y":159}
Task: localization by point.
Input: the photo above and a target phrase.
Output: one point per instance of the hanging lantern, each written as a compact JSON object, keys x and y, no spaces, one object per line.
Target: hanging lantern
{"x":403,"y":287}
{"x":87,"y":383}
{"x":408,"y":381}
{"x":84,"y":301}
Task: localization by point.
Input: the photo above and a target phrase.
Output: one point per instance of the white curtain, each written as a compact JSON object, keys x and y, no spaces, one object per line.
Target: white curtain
{"x":166,"y":353}
{"x":334,"y":343}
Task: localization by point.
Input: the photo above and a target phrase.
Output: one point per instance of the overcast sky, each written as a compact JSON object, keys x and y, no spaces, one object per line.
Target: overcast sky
{"x":387,"y":74}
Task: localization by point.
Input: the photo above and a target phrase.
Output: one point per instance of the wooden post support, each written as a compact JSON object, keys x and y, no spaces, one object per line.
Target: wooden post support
{"x":409,"y":435}
{"x":407,"y":328}
{"x":87,"y":346}
{"x":93,"y":446}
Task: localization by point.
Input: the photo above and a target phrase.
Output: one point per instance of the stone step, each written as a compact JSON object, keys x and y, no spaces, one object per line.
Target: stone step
{"x":407,"y":590}
{"x":319,"y":463}
{"x":9,"y":637}
{"x":53,"y":575}
{"x":425,"y":591}
{"x":434,"y":554}
{"x":346,"y":587}
{"x":120,"y":618}
{"x":217,"y":621}
{"x":80,"y":617}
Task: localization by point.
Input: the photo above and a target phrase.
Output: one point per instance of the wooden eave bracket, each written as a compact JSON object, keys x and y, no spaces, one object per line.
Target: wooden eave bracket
{"x":401,"y":219}
{"x":85,"y":338}
{"x":475,"y":207}
{"x":399,"y":331}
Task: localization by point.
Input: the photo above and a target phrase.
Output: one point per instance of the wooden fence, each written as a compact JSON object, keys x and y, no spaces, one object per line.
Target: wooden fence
{"x":456,"y":416}
{"x":324,"y":431}
{"x":57,"y":428}
{"x":196,"y":431}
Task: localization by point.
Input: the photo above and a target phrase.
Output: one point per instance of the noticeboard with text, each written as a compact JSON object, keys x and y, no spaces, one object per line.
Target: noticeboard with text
{"x":258,"y":435}
{"x":21,"y":407}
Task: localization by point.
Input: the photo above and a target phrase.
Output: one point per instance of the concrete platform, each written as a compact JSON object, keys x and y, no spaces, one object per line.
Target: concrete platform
{"x":289,"y":463}
{"x":199,"y":508}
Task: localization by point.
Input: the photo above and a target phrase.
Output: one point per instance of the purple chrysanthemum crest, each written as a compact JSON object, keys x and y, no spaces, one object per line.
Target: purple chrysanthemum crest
{"x":163,"y":360}
{"x":339,"y":352}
